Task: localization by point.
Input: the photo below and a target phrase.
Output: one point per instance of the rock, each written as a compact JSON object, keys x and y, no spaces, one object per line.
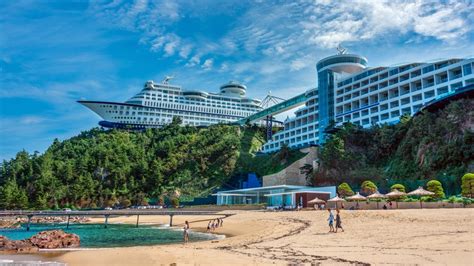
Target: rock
{"x":18,"y":246}
{"x":55,"y":239}
{"x":45,"y":240}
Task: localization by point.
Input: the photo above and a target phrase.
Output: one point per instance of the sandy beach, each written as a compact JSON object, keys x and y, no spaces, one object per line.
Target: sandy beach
{"x":426,"y":237}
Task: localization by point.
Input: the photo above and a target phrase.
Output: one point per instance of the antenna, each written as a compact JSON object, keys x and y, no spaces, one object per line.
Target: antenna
{"x":341,"y":49}
{"x":167,"y":79}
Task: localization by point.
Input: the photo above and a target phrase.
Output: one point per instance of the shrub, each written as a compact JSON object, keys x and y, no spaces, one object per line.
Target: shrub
{"x":427,"y":198}
{"x":368,"y":187}
{"x":436,"y":187}
{"x":125,"y":203}
{"x":175,"y":202}
{"x":398,"y":187}
{"x":467,"y":185}
{"x":345,"y":190}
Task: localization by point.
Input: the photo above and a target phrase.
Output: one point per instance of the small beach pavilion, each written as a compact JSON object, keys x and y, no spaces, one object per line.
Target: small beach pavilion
{"x":280,"y":195}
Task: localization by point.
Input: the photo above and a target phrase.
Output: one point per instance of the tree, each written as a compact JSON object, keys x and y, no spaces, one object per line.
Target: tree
{"x":344,"y":190}
{"x":436,"y":187}
{"x":398,"y":187}
{"x":467,"y":185}
{"x":368,"y":187}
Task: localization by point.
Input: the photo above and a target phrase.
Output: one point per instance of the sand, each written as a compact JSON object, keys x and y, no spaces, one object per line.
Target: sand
{"x":425,"y":237}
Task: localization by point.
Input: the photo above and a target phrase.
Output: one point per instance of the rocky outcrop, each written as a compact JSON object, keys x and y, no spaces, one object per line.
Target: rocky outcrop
{"x":8,"y":222}
{"x":55,"y":239}
{"x":16,"y":246}
{"x":44,"y":240}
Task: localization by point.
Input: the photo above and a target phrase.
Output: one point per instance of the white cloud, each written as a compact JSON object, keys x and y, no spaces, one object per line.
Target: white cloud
{"x":207,"y":65}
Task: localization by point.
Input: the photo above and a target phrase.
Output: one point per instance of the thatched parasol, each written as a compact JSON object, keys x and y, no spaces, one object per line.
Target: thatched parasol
{"x":336,"y":199}
{"x":420,"y":192}
{"x":316,"y":201}
{"x":395,"y":194}
{"x":376,"y":195}
{"x":357,"y":197}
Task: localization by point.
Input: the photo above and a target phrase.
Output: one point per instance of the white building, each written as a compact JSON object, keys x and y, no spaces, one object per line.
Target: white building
{"x":349,"y":91}
{"x":157,"y":104}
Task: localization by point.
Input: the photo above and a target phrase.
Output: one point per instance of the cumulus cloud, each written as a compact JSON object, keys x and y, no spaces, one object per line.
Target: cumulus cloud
{"x":207,"y":65}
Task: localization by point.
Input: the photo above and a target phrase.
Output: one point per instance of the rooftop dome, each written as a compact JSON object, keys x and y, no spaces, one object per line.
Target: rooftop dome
{"x":233,"y":88}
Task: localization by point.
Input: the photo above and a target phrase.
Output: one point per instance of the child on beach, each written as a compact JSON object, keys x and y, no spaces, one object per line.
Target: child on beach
{"x":331,"y":221}
{"x":338,"y":221}
{"x":186,"y":232}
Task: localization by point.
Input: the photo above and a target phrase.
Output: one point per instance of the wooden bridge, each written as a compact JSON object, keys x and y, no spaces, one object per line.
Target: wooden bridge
{"x":108,"y":213}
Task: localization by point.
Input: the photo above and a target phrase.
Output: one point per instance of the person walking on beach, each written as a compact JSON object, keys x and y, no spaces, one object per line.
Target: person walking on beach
{"x":209,"y":225}
{"x":331,"y":221}
{"x":186,"y":232}
{"x":222,"y":223}
{"x":338,"y":221}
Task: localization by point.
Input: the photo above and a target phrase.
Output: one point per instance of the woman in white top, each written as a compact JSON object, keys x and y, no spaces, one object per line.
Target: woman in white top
{"x":186,"y":232}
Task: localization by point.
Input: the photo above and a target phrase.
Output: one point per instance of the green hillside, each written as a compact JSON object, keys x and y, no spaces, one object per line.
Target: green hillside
{"x":100,"y":168}
{"x":428,"y":146}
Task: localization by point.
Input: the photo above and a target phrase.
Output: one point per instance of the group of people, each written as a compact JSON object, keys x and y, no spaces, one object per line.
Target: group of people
{"x":214,"y":224}
{"x":331,"y":221}
{"x":211,"y":226}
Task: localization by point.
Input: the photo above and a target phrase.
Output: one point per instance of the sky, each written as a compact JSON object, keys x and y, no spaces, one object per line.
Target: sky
{"x":53,"y":53}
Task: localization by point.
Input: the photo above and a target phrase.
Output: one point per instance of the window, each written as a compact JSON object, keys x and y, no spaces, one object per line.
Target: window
{"x":467,"y":69}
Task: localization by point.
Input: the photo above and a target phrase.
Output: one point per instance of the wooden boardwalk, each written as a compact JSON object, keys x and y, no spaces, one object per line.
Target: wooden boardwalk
{"x":108,"y":213}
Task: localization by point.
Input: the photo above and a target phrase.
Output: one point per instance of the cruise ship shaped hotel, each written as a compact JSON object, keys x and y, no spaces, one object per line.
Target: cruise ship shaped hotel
{"x":350,"y":91}
{"x":157,"y":103}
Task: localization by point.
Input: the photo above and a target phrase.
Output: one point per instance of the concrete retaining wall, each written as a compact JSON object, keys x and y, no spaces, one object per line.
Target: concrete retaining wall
{"x":292,"y":174}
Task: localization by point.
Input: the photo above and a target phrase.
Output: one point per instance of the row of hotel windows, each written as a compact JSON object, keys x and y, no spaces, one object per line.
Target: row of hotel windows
{"x":167,"y":118}
{"x":212,"y":98}
{"x":467,"y":68}
{"x":286,"y":134}
{"x":393,"y":114}
{"x":201,"y":109}
{"x":188,"y":106}
{"x":125,"y":110}
{"x":392,"y":94}
{"x":396,"y":91}
{"x":425,"y":82}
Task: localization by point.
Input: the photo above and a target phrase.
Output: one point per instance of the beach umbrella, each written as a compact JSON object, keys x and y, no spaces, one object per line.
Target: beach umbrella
{"x":336,"y":199}
{"x":395,"y":194}
{"x":376,"y":195}
{"x":357,"y":197}
{"x":420,"y":192}
{"x":316,"y":201}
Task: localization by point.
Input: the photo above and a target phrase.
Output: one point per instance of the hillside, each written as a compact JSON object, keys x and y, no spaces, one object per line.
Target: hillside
{"x":428,"y":146}
{"x":100,"y":168}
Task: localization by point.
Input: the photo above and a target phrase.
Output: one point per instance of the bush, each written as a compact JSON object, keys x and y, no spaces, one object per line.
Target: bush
{"x":368,"y":187}
{"x":345,"y":190}
{"x":409,"y":200}
{"x":398,"y":187}
{"x":436,"y":187}
{"x":175,"y":202}
{"x":125,"y":203}
{"x":467,"y":185}
{"x":427,"y":198}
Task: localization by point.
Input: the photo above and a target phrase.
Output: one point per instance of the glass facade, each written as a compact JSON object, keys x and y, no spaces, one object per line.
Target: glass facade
{"x":326,"y":100}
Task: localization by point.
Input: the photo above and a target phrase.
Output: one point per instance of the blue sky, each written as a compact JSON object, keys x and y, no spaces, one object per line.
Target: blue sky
{"x":53,"y":53}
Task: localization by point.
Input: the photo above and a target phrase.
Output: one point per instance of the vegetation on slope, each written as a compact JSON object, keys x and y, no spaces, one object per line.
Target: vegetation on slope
{"x":101,"y":168}
{"x":429,"y":146}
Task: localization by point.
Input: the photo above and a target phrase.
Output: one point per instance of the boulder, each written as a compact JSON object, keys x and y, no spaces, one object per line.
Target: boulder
{"x":55,"y":239}
{"x":45,"y":240}
{"x":18,"y":246}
